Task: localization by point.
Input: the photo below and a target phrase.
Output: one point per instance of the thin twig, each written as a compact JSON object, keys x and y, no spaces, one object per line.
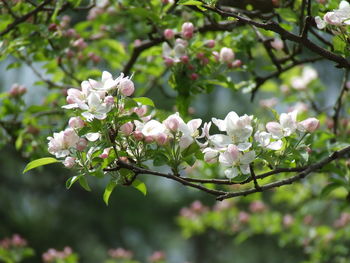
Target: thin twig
{"x":23,"y":18}
{"x":261,"y":80}
{"x":290,"y":180}
{"x":338,"y":105}
{"x":274,"y":27}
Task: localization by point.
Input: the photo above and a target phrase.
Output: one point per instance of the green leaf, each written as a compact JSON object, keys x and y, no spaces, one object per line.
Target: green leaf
{"x":84,"y":183}
{"x":71,"y":181}
{"x":190,"y":160}
{"x":145,"y":101}
{"x":329,"y":188}
{"x":339,"y":44}
{"x":139,"y":185}
{"x":39,"y":162}
{"x":196,"y":3}
{"x":129,"y":103}
{"x":287,"y":14}
{"x":160,"y":159}
{"x":108,"y":190}
{"x":240,"y":178}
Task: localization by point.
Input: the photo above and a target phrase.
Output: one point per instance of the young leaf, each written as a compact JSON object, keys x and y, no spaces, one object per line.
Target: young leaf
{"x":145,"y":101}
{"x":71,"y":181}
{"x":84,"y":183}
{"x":139,"y":185}
{"x":108,"y":191}
{"x":39,"y":162}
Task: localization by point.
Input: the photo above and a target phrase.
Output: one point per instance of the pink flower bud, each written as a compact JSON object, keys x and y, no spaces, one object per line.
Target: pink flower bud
{"x":168,"y":34}
{"x":124,"y":159}
{"x":243,"y":217}
{"x":184,"y":59}
{"x":137,"y":135}
{"x":168,"y":61}
{"x":149,"y":139}
{"x":257,"y":206}
{"x":69,"y":53}
{"x":288,"y":220}
{"x":347,"y":84}
{"x":226,"y":55}
{"x":237,"y":63}
{"x":187,"y":34}
{"x":200,"y":55}
{"x":105,"y":153}
{"x":161,"y":138}
{"x":141,"y":111}
{"x":205,"y":61}
{"x":80,"y":44}
{"x":69,"y":162}
{"x":94,"y":58}
{"x":137,"y":42}
{"x":210,"y":43}
{"x":194,"y":76}
{"x":17,"y":90}
{"x":127,"y":128}
{"x":191,"y":67}
{"x":187,"y":30}
{"x":71,"y":33}
{"x":157,"y":256}
{"x":310,"y":125}
{"x":109,"y":100}
{"x":81,"y":144}
{"x":76,"y":122}
{"x":277,"y":44}
{"x":52,"y":27}
{"x":127,"y":87}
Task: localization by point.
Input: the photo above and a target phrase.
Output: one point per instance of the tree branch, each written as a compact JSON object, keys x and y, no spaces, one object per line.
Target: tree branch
{"x":138,"y":170}
{"x":23,"y":18}
{"x":273,"y":26}
{"x":301,"y":175}
{"x":338,"y":105}
{"x":261,"y":80}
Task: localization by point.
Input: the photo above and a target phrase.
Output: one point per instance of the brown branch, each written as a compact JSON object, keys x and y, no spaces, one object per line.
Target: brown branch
{"x":268,"y":48}
{"x":38,"y":74}
{"x":260,"y":176}
{"x":23,"y":18}
{"x":323,"y":40}
{"x":261,"y":80}
{"x":301,"y":175}
{"x":338,"y":105}
{"x":273,"y":26}
{"x":252,"y":173}
{"x":139,"y":171}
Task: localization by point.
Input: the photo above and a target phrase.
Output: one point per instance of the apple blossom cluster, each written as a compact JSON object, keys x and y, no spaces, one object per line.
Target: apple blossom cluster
{"x":338,"y":17}
{"x":52,"y":254}
{"x":14,"y":241}
{"x":109,"y":125}
{"x":179,"y":52}
{"x":236,"y":148}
